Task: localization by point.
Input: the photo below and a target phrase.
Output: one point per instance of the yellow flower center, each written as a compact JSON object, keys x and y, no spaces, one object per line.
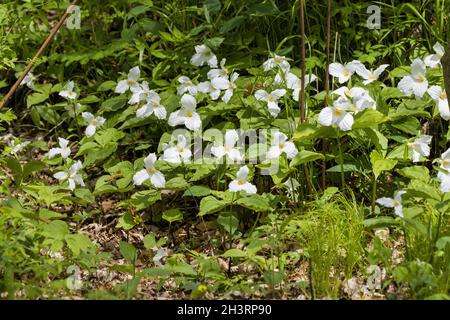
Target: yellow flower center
{"x":346,"y":73}
{"x":155,"y":104}
{"x":420,"y":78}
{"x":94,"y":122}
{"x":151,"y":170}
{"x":278,"y":60}
{"x":241,"y":182}
{"x":445,"y":163}
{"x":443,"y":96}
{"x":371,"y":77}
{"x":270,"y":98}
{"x":189,"y":114}
{"x":338,"y":112}
{"x":281,"y":145}
{"x":130,"y":82}
{"x":180,"y":149}
{"x":396,"y":203}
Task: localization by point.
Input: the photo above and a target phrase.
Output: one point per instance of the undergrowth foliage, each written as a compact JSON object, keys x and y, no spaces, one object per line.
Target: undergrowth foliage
{"x":182,"y":137}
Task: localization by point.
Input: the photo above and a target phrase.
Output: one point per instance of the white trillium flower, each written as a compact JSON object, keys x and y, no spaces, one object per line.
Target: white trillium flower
{"x":228,"y":149}
{"x":203,"y":55}
{"x":440,"y":97}
{"x":140,"y":94}
{"x":216,"y":73}
{"x":337,"y":114}
{"x":210,"y":87}
{"x":271,"y":99}
{"x":68,"y":92}
{"x":187,"y":114}
{"x":131,"y":83}
{"x":444,"y":174}
{"x":281,"y":144}
{"x":150,"y":173}
{"x":63,"y":150}
{"x":357,"y":96}
{"x":277,"y":61}
{"x":370,"y":75}
{"x":293,"y":82}
{"x":241,"y":183}
{"x":153,"y":105}
{"x":420,"y":147}
{"x":16,"y":148}
{"x":73,"y":177}
{"x":186,"y":86}
{"x":434,"y":60}
{"x":416,"y":83}
{"x":395,"y":203}
{"x":229,"y":88}
{"x":28,"y":80}
{"x":93,"y":123}
{"x":343,"y":72}
{"x":178,"y":153}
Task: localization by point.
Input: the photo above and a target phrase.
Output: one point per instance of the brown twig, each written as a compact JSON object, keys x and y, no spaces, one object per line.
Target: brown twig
{"x":303,"y":57}
{"x":36,"y":56}
{"x":327,"y":88}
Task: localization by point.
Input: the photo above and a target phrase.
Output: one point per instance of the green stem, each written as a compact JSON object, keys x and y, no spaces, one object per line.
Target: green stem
{"x":374,"y":193}
{"x":341,"y":157}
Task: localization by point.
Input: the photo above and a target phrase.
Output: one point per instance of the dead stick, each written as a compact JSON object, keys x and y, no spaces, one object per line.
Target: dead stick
{"x":303,"y":57}
{"x":327,"y":87}
{"x":37,"y":55}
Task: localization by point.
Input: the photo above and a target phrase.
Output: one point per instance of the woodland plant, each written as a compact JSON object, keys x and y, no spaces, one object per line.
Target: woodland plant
{"x":202,"y":141}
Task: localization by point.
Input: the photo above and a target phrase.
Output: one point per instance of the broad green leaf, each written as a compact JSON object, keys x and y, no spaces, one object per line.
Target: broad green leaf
{"x":229,"y":222}
{"x":172,"y":215}
{"x":197,"y":191}
{"x":126,"y":222}
{"x":234,"y":253}
{"x":305,"y":156}
{"x":128,"y":251}
{"x":380,"y":222}
{"x":210,"y":205}
{"x":416,"y":172}
{"x":255,"y":202}
{"x":368,"y":118}
{"x":144,"y":199}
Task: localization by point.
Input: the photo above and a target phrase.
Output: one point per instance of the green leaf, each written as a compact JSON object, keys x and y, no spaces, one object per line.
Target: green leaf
{"x":56,"y":229}
{"x":149,"y":241}
{"x":16,"y":169}
{"x":305,"y":156}
{"x":416,"y":172}
{"x":197,"y":191}
{"x":231,"y":24}
{"x":368,"y":118}
{"x":32,"y":167}
{"x":380,"y":222}
{"x":128,"y":251}
{"x":107,"y":85}
{"x":379,"y":164}
{"x":144,"y":199}
{"x":443,"y":242}
{"x":177,"y":183}
{"x":423,"y":190}
{"x":114,"y":104}
{"x":256,"y":203}
{"x":126,"y":222}
{"x":78,"y":243}
{"x":172,"y":215}
{"x":210,"y":205}
{"x":229,"y":222}
{"x":234,"y":253}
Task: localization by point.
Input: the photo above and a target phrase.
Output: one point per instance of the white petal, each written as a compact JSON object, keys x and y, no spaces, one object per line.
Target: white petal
{"x":53,"y":152}
{"x":290,"y":149}
{"x":150,"y":160}
{"x":386,"y":202}
{"x":261,"y":95}
{"x":346,"y":122}
{"x":61,"y":175}
{"x":193,"y":123}
{"x":90,"y":130}
{"x":122,"y":86}
{"x":158,"y":180}
{"x":188,"y":101}
{"x":140,"y":177}
{"x":134,"y":74}
{"x":326,"y":116}
{"x":242,"y":173}
{"x":160,"y":112}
